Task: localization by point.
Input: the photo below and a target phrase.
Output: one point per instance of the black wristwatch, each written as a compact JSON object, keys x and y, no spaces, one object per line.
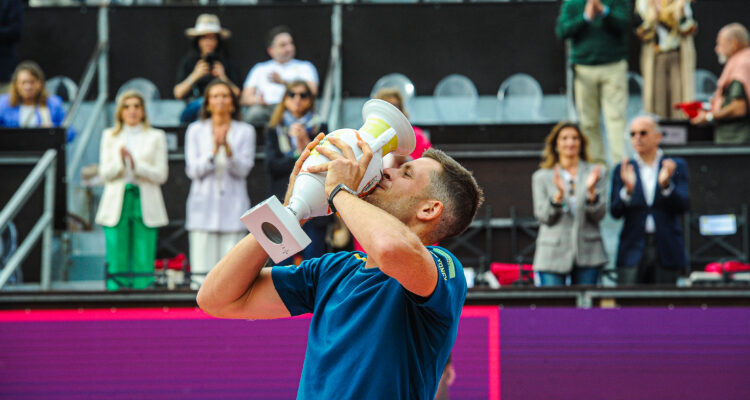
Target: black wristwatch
{"x":335,"y":191}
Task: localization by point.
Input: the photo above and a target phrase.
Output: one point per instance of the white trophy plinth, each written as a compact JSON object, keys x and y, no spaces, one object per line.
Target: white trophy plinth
{"x":277,"y":228}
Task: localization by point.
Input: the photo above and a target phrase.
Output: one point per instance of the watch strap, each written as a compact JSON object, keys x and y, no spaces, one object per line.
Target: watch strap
{"x":336,"y":191}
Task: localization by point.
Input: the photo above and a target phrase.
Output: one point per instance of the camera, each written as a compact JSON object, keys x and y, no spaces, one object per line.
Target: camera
{"x":210,"y":58}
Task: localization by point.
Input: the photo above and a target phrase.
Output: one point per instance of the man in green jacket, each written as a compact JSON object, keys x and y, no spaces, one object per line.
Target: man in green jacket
{"x":598,"y":32}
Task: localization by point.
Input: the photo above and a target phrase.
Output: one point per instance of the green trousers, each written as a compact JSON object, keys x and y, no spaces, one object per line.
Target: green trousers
{"x":131,"y":246}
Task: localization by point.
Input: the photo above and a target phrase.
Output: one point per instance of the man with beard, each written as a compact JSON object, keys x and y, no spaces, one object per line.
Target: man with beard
{"x":729,"y":106}
{"x":383,"y":322}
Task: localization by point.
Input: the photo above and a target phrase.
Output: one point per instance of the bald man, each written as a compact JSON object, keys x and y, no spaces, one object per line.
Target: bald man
{"x":729,"y":107}
{"x":650,"y":192}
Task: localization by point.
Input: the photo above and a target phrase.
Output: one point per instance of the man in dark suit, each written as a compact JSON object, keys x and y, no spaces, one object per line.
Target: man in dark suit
{"x":651,"y":192}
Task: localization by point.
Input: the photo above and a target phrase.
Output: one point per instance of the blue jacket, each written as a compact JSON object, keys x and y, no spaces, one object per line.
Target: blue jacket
{"x":666,"y":210}
{"x":10,"y":116}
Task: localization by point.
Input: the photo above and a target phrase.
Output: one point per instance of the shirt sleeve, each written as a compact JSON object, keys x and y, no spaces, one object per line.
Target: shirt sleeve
{"x":253,"y":77}
{"x":312,"y":73}
{"x":296,"y":285}
{"x":734,"y":91}
{"x":448,"y":298}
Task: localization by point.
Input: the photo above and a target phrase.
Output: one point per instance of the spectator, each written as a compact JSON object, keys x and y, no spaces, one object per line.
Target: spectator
{"x":569,"y":204}
{"x":266,"y":82}
{"x":667,"y":55}
{"x":11,"y":25}
{"x":206,"y":61}
{"x":219,"y":154}
{"x":651,"y":193}
{"x":28,"y":105}
{"x":729,"y":105}
{"x":293,"y":126}
{"x":133,"y":166}
{"x":599,"y":49}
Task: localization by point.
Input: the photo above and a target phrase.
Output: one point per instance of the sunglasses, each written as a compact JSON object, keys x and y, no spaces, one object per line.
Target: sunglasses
{"x":642,"y":133}
{"x":302,"y":95}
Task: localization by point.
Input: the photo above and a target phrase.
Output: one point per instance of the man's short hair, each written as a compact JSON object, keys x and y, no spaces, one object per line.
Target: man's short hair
{"x":737,"y":32}
{"x":276,"y":31}
{"x":459,"y":192}
{"x":653,"y":118}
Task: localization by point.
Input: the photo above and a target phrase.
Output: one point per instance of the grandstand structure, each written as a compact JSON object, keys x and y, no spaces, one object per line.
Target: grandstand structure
{"x":495,"y":130}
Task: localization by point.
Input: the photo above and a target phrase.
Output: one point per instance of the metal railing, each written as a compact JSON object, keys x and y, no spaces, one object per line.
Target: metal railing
{"x":44,"y":169}
{"x":330,"y":107}
{"x":97,"y":63}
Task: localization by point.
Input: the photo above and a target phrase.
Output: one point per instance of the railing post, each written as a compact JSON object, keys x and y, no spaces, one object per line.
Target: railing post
{"x":103,"y":29}
{"x":336,"y":38}
{"x":49,"y":209}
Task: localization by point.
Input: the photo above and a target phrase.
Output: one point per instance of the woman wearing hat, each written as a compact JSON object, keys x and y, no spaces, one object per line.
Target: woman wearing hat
{"x":206,"y":61}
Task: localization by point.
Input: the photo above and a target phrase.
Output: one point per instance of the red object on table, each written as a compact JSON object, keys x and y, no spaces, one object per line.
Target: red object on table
{"x":690,"y":108}
{"x":727,"y":266}
{"x":506,"y":273}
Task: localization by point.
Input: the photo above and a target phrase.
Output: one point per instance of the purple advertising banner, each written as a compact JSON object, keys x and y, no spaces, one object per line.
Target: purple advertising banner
{"x":629,"y":353}
{"x":549,"y":353}
{"x":184,"y":354}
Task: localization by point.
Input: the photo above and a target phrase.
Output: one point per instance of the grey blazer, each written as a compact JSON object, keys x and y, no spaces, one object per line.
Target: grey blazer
{"x":566,"y":238}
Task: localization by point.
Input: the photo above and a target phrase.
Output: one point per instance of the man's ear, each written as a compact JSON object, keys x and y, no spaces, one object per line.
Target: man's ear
{"x":429,"y":210}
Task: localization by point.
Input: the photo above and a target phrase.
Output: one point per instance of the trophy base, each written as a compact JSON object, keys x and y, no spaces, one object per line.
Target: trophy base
{"x":276,"y":229}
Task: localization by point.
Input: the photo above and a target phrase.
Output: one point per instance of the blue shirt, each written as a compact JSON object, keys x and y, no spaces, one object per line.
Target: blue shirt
{"x":369,"y":337}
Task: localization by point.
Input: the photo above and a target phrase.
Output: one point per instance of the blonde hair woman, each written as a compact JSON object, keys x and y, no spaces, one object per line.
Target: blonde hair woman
{"x":569,"y":202}
{"x":133,"y":165}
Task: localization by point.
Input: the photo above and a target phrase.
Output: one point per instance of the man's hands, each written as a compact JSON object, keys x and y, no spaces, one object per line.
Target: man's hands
{"x":276,"y":78}
{"x":699,"y":119}
{"x":343,"y":168}
{"x":668,"y":167}
{"x":627,"y":174}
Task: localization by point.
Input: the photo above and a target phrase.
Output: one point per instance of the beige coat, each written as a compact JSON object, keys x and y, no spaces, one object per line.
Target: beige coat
{"x":567,"y":238}
{"x":151,"y":171}
{"x":648,"y":58}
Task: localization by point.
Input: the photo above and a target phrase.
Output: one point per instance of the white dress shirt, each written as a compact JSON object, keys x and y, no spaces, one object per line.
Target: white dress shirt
{"x":649,"y":174}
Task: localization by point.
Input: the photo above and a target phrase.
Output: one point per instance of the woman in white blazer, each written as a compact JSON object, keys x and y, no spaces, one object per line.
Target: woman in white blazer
{"x":569,"y":202}
{"x":133,"y":166}
{"x":219,"y":154}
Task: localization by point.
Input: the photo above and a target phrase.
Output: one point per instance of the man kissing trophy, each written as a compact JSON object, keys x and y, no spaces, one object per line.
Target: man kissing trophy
{"x":277,"y":228}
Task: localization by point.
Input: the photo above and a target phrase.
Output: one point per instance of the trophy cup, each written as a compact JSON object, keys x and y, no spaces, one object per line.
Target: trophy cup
{"x":277,"y":228}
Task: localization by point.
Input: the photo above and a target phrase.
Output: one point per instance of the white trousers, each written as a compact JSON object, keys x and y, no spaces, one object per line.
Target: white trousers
{"x":206,"y":249}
